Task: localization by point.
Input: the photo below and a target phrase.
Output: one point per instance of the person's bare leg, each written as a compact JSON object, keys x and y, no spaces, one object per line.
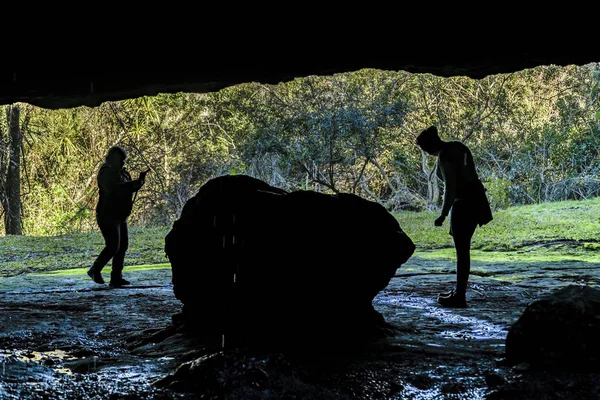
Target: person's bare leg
{"x":462,"y":228}
{"x":463,"y":264}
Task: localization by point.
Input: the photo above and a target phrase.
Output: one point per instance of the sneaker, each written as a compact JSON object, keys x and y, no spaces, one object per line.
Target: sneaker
{"x":96,"y":276}
{"x":118,"y":282}
{"x":454,"y":301}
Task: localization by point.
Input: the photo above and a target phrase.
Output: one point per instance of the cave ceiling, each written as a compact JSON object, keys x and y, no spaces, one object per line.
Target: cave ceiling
{"x":62,"y":84}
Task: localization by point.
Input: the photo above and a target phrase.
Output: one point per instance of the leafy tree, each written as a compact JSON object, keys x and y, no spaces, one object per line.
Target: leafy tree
{"x":535,"y":135}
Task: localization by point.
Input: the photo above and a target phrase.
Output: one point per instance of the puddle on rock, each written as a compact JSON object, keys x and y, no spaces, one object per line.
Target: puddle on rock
{"x":469,"y":327}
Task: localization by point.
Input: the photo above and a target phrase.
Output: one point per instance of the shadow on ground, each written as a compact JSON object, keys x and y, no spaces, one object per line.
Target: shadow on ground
{"x":63,"y":337}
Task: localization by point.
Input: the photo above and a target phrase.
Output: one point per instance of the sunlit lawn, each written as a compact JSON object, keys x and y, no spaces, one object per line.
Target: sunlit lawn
{"x":544,"y":232}
{"x":568,"y":230}
{"x":19,"y":254}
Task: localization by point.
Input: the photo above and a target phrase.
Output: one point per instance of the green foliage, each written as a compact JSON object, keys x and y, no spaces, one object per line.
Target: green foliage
{"x":498,"y":191}
{"x":534,"y":136}
{"x":332,"y":134}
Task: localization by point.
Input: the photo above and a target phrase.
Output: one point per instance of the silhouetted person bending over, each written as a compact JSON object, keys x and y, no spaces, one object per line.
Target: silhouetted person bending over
{"x":114,"y":206}
{"x":464,"y":199}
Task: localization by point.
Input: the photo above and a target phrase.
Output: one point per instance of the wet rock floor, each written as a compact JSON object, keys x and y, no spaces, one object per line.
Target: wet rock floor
{"x":64,"y":337}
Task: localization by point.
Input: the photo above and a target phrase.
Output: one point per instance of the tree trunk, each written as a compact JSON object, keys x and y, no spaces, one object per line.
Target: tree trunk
{"x":12,"y":213}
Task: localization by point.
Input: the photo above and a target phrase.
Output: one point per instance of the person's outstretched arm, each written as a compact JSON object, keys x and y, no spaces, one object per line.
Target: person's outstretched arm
{"x":110,"y":181}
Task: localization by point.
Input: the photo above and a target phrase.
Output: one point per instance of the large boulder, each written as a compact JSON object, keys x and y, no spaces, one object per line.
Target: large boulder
{"x":559,"y":330}
{"x":249,"y":257}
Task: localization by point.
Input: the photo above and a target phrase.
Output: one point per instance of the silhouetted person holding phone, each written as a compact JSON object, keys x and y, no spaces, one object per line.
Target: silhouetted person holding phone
{"x":464,"y":199}
{"x":114,"y":207}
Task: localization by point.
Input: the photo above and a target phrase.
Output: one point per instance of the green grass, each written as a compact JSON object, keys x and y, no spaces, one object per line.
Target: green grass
{"x":83,"y":271}
{"x":26,"y":254}
{"x":560,"y":231}
{"x":542,"y":232}
{"x":537,"y":255}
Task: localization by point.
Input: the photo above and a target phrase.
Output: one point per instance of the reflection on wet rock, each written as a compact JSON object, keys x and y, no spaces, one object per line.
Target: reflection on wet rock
{"x":560,"y":330}
{"x":252,"y":260}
